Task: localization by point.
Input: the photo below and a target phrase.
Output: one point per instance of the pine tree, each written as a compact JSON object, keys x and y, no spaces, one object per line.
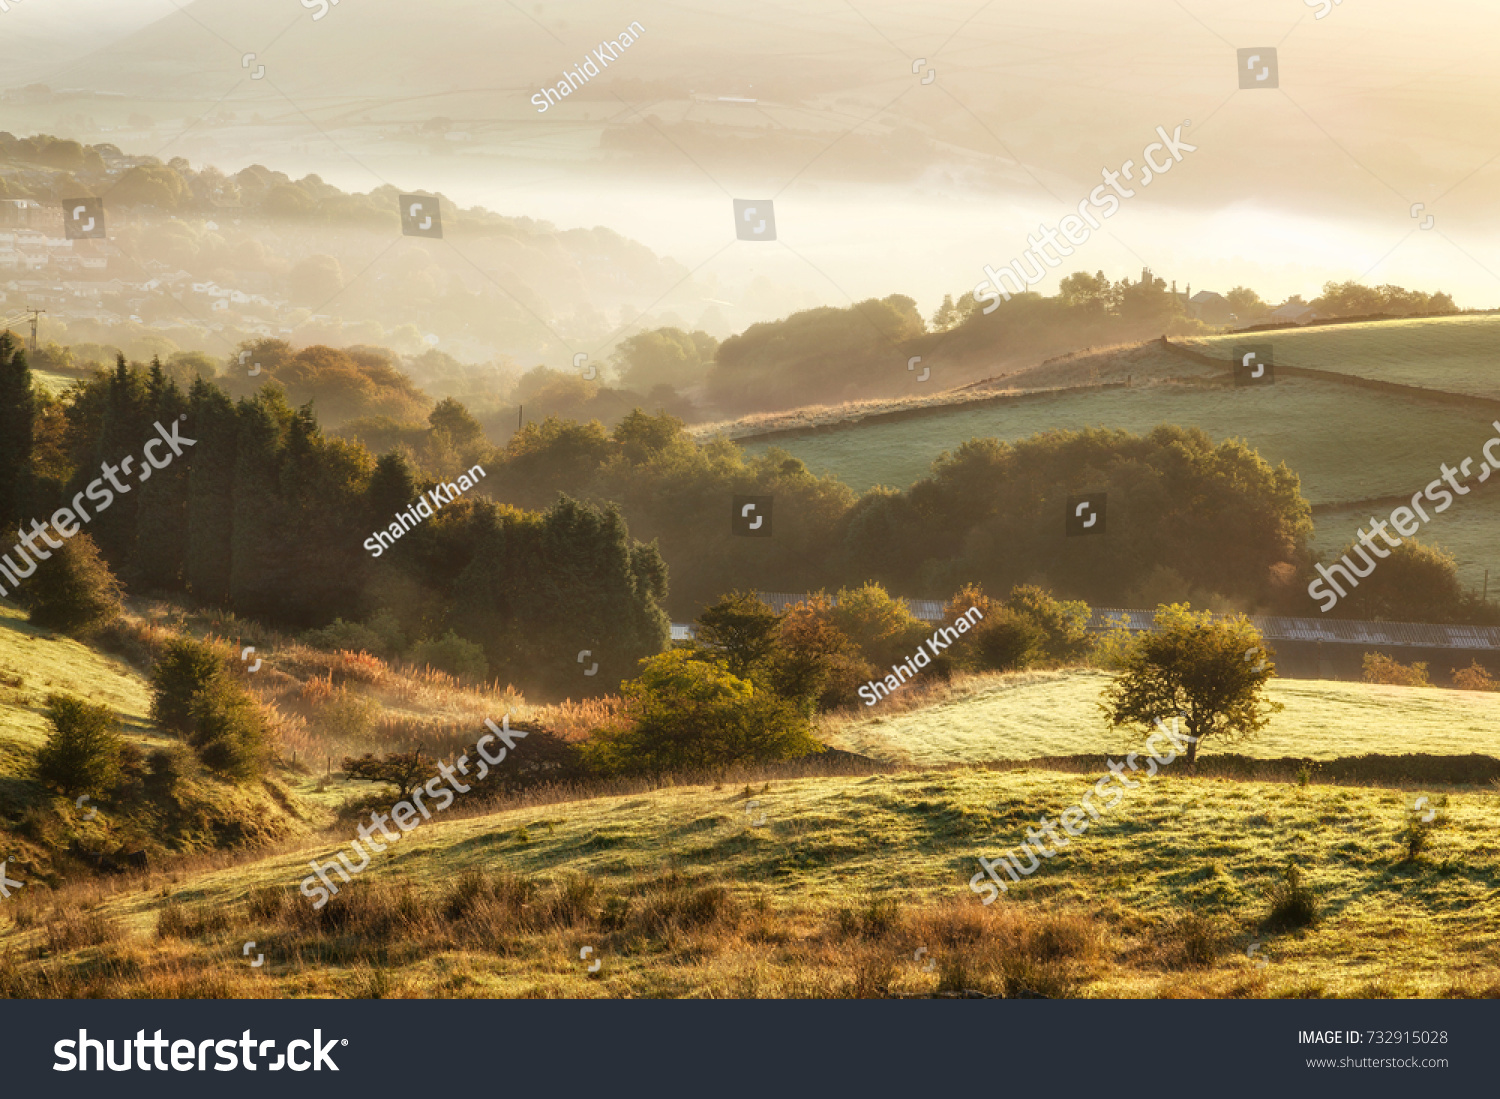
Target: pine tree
{"x":393,"y":488}
{"x":210,"y":527}
{"x":18,"y":416}
{"x":324,"y":494}
{"x":82,"y":753}
{"x":162,"y":513}
{"x":258,"y":568}
{"x":541,"y":589}
{"x":73,"y":590}
{"x":121,"y":435}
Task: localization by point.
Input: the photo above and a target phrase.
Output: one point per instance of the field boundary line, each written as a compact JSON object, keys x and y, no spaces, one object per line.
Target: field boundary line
{"x":900,"y":414}
{"x":1438,"y":396}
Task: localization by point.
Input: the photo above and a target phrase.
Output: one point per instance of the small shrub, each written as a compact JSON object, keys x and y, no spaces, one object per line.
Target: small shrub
{"x":574,"y":900}
{"x":381,"y":635}
{"x":1416,"y":836}
{"x":268,"y":903}
{"x":73,"y":590}
{"x":1194,"y":942}
{"x":689,"y":712}
{"x":880,"y":917}
{"x":680,"y":908}
{"x":185,"y":668}
{"x":402,"y":771}
{"x":348,"y":715}
{"x":229,"y":730}
{"x":1474,"y":678}
{"x":166,"y":770}
{"x":1293,"y":903}
{"x":1379,"y":668}
{"x":1007,"y":641}
{"x":82,"y":753}
{"x":177,"y":921}
{"x":68,"y":931}
{"x":615,"y":914}
{"x":452,"y":654}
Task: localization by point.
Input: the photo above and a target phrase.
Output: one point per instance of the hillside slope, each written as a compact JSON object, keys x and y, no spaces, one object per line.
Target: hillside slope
{"x":818,"y":887}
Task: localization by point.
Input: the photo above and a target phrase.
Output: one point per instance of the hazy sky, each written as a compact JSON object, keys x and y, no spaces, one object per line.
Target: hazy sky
{"x":881,"y":183}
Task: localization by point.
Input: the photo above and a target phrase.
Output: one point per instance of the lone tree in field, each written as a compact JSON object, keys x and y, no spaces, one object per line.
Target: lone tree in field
{"x":1209,"y":674}
{"x":404,"y":770}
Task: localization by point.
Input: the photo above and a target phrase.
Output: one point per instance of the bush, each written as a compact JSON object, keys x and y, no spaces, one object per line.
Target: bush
{"x":1293,"y":904}
{"x":881,"y":627}
{"x":348,"y":715}
{"x":452,"y":654}
{"x":1379,"y":668}
{"x":1064,"y":625}
{"x":380,"y":636}
{"x":1474,"y":678}
{"x":185,"y":668}
{"x":1006,"y":641}
{"x":82,"y":753}
{"x":166,"y":770}
{"x":689,"y":712}
{"x":73,"y":590}
{"x":229,"y":732}
{"x":405,"y":771}
{"x":1029,"y":627}
{"x":1416,"y":837}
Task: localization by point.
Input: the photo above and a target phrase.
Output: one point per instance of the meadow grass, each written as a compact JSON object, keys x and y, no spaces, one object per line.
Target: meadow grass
{"x":1466,"y":530}
{"x":680,"y":893}
{"x":1383,"y":445}
{"x":35,"y":663}
{"x":1032,"y":715}
{"x":1456,"y":354}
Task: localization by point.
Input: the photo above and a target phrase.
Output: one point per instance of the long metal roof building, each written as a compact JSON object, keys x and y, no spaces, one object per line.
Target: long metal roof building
{"x":1340,"y":631}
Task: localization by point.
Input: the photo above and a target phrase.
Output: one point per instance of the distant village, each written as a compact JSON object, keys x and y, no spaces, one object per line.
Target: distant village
{"x":93,"y":280}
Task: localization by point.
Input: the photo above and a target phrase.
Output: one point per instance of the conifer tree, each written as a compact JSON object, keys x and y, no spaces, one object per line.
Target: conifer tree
{"x":162,"y":514}
{"x":210,"y":492}
{"x":18,"y":415}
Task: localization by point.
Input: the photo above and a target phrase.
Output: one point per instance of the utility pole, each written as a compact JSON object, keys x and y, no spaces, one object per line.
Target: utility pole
{"x":31,"y":354}
{"x":520,"y":415}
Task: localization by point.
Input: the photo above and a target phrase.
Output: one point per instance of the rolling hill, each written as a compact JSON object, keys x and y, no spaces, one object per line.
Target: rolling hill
{"x":814,"y":888}
{"x":1454,"y":354}
{"x":1308,"y":423}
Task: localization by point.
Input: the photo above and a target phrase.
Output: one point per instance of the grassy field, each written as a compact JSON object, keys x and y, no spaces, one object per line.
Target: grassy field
{"x":845,"y":884}
{"x":1035,"y":714}
{"x":683,"y":892}
{"x":1466,"y":530}
{"x":1458,"y":354}
{"x":1381,"y":446}
{"x":35,"y":662}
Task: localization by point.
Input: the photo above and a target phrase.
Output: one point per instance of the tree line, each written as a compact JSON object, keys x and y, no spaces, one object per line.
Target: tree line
{"x":267,"y":514}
